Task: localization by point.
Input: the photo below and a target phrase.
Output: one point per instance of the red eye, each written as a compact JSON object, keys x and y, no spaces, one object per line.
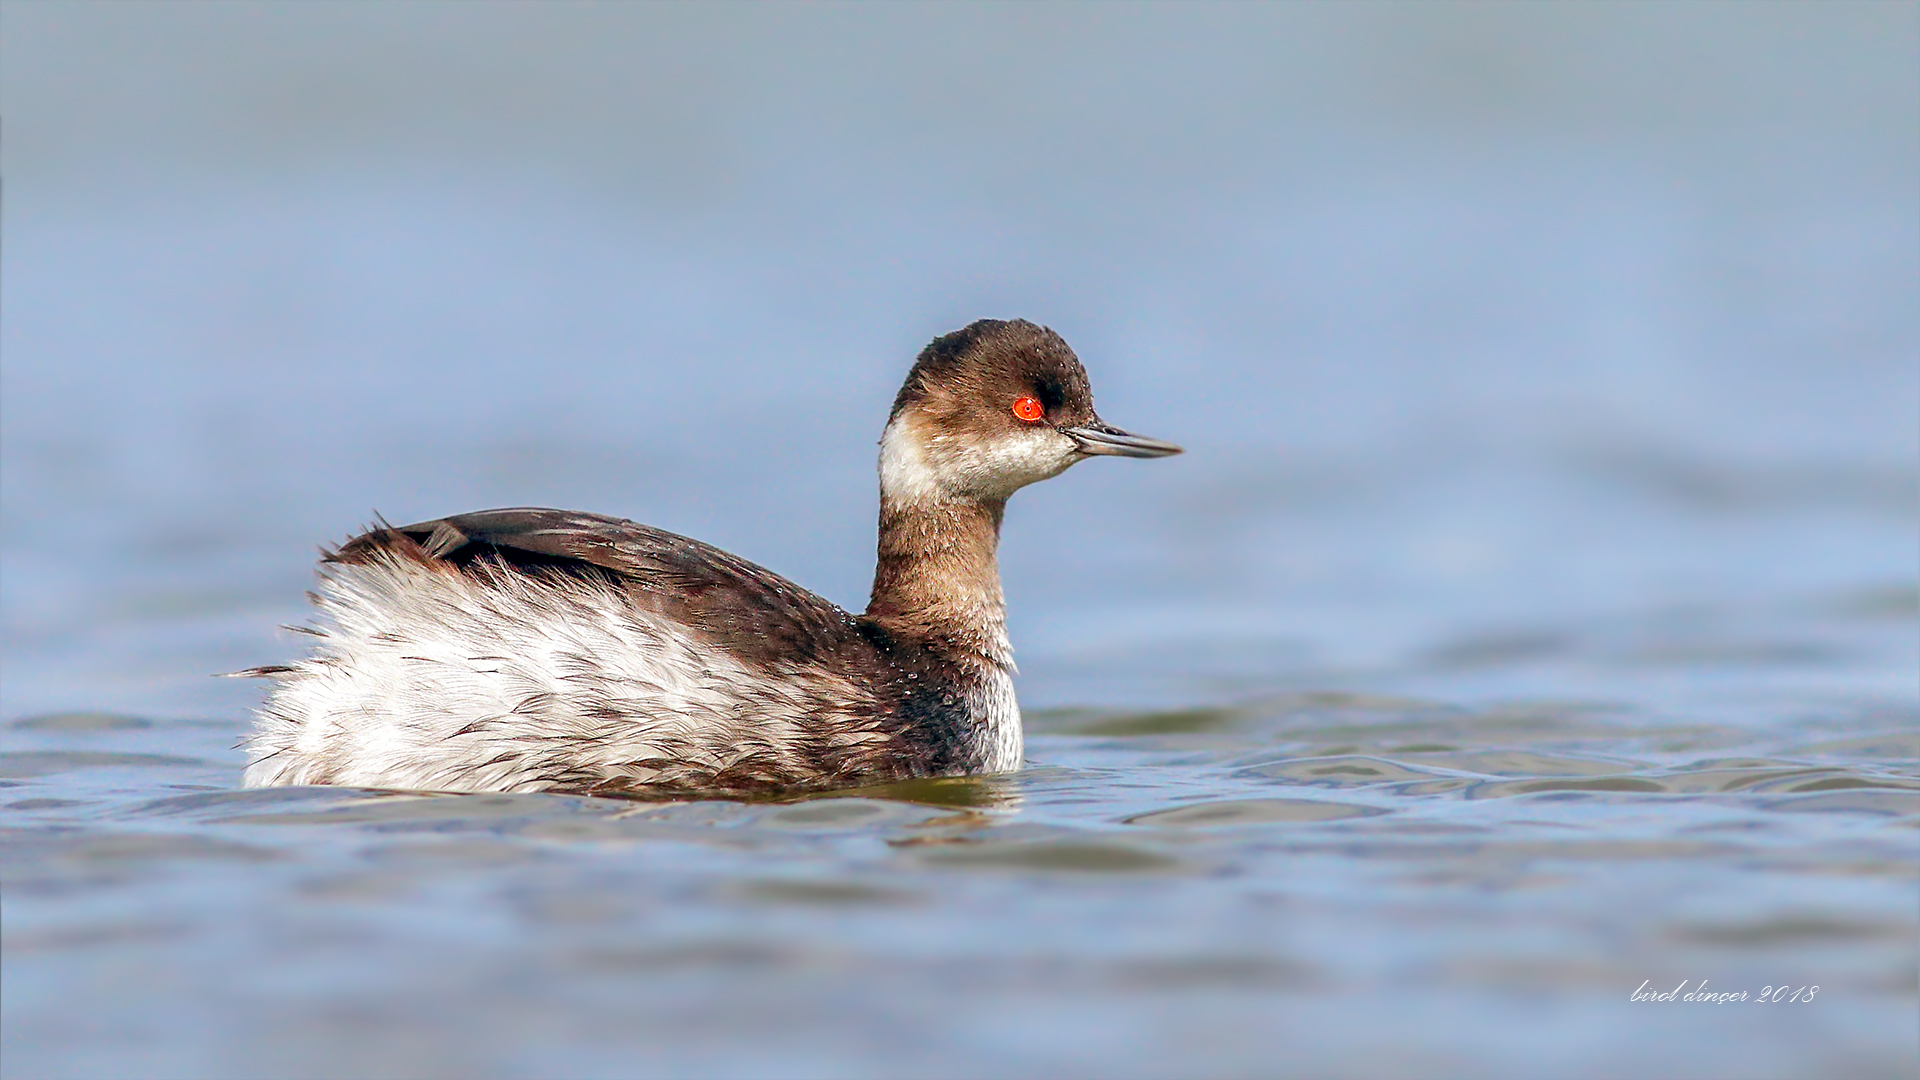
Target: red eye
{"x":1029,"y":409}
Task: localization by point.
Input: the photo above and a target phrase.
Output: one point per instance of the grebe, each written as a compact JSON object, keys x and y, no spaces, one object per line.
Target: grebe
{"x":544,"y":650}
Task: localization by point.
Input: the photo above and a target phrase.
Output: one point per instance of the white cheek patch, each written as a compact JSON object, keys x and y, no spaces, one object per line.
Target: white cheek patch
{"x":1012,"y":463}
{"x":905,"y":474}
{"x":916,"y":466}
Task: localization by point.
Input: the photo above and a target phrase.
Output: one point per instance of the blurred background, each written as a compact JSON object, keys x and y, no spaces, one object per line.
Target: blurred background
{"x":1473,"y":316}
{"x":1533,"y":614}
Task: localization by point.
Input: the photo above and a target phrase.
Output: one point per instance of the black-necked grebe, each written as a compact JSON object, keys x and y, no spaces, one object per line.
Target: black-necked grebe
{"x":543,"y":650}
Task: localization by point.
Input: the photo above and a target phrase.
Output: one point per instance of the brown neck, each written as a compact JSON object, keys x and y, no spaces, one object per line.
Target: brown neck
{"x":938,"y":579}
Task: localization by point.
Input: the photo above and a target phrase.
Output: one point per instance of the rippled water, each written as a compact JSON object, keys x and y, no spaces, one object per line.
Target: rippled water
{"x":1533,"y":622}
{"x":1329,"y":883}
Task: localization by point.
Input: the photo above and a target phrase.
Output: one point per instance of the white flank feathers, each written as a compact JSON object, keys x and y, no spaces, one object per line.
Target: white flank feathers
{"x":437,"y":680}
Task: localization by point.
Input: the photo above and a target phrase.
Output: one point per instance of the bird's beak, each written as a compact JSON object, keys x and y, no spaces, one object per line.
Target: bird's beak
{"x":1099,"y":437}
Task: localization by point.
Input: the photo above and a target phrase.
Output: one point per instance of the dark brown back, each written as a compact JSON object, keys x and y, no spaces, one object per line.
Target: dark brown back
{"x":751,"y":611}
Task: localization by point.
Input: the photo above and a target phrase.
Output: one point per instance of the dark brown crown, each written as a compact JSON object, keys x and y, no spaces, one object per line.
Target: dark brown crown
{"x":989,"y":364}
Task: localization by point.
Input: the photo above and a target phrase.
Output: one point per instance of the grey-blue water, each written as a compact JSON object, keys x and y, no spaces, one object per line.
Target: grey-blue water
{"x":1533,"y":624}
